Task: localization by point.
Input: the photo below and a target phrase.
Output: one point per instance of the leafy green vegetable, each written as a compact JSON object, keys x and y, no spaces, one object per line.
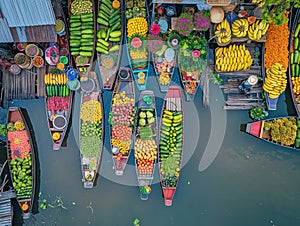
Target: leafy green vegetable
{"x":142,"y":115}
{"x":142,"y":122}
{"x":149,"y":114}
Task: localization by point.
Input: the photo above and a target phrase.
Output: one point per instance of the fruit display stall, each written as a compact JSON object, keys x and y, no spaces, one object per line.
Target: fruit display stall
{"x":237,"y":45}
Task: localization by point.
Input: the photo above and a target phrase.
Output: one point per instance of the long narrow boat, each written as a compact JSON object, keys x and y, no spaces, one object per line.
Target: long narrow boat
{"x":58,"y":99}
{"x":136,"y":41}
{"x":109,"y":40}
{"x":163,"y":50}
{"x":171,"y":143}
{"x":121,"y":119}
{"x":145,"y":147}
{"x":91,"y":134}
{"x":82,"y":34}
{"x":294,"y":62}
{"x":21,"y":157}
{"x":284,"y":132}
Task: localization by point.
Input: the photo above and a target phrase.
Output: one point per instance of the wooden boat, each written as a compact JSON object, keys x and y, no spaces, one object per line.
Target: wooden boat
{"x":121,"y":119}
{"x":91,"y":128}
{"x":145,"y":137}
{"x":164,"y":58}
{"x":109,"y":61}
{"x":82,"y":36}
{"x":21,"y":157}
{"x":139,"y":65}
{"x":170,"y":150}
{"x":292,"y":64}
{"x":263,"y":130}
{"x":59,"y":98}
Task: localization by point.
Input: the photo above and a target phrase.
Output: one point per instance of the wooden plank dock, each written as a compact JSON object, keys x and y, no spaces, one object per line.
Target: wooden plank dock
{"x":238,"y":101}
{"x":28,"y":84}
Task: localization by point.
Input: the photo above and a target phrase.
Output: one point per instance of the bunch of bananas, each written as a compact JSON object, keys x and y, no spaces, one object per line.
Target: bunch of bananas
{"x":240,"y":27}
{"x":55,"y":79}
{"x":275,"y":80}
{"x":223,"y":32}
{"x":257,"y":30}
{"x":233,"y":58}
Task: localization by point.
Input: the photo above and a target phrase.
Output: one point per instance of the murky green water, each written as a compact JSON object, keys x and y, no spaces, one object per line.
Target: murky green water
{"x":250,"y":182}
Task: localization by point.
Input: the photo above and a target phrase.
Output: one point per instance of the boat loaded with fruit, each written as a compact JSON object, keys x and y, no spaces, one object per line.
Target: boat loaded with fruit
{"x":145,"y":147}
{"x":82,"y":34}
{"x":294,"y":66}
{"x":91,"y":134}
{"x":109,"y":40}
{"x":283,"y":131}
{"x":192,"y":56}
{"x":163,"y":43}
{"x":59,"y":97}
{"x":137,"y":38}
{"x":21,"y":157}
{"x":171,"y":143}
{"x":122,"y":119}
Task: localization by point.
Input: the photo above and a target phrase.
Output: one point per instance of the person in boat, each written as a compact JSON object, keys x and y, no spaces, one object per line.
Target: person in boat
{"x":247,"y":85}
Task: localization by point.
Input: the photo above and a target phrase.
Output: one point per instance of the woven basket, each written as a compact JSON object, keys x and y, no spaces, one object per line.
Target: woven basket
{"x":218,"y":2}
{"x":216,"y":14}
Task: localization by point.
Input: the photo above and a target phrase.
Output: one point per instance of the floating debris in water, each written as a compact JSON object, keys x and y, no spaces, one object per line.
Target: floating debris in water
{"x":136,"y":222}
{"x":188,"y":182}
{"x":73,"y":203}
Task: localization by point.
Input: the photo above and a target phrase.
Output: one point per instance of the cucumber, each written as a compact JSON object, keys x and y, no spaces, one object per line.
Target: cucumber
{"x":100,"y":45}
{"x":103,"y":42}
{"x":75,"y":44}
{"x":85,"y":53}
{"x":107,"y":34}
{"x":101,"y":50}
{"x":87,"y":31}
{"x":77,"y":24}
{"x":297,"y":30}
{"x":292,"y":58}
{"x":296,"y":43}
{"x":102,"y":21}
{"x":114,"y":48}
{"x":75,"y":17}
{"x":114,"y":39}
{"x":115,"y":34}
{"x":75,"y":53}
{"x":115,"y":13}
{"x":87,"y":40}
{"x":75,"y":28}
{"x":116,"y":26}
{"x":87,"y":43}
{"x":75,"y":49}
{"x":103,"y":16}
{"x":87,"y":36}
{"x":107,"y":4}
{"x":296,"y":56}
{"x":105,"y":8}
{"x":86,"y":15}
{"x":74,"y":37}
{"x":115,"y":19}
{"x":297,"y":70}
{"x":85,"y":24}
{"x":67,"y":91}
{"x":75,"y":33}
{"x":87,"y":19}
{"x":87,"y":48}
{"x":74,"y":21}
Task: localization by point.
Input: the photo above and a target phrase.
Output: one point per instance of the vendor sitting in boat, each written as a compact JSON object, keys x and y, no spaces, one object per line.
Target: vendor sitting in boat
{"x":248,"y":84}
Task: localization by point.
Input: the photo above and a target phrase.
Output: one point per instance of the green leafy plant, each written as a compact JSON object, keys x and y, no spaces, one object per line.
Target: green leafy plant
{"x":57,"y":203}
{"x":258,"y":113}
{"x":3,"y":130}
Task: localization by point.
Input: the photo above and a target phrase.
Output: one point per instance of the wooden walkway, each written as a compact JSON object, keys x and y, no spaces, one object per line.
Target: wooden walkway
{"x":28,"y":84}
{"x":238,"y":101}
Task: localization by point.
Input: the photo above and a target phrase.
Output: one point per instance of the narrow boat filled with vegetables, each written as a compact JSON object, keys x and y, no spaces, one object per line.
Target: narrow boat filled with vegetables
{"x":91,"y":135}
{"x":82,"y":34}
{"x":137,"y":27}
{"x":21,"y":156}
{"x":171,"y":143}
{"x":282,"y":131}
{"x":294,"y":65}
{"x":122,"y":119}
{"x":109,"y":40}
{"x":145,"y":147}
{"x":163,"y":43}
{"x":59,"y":97}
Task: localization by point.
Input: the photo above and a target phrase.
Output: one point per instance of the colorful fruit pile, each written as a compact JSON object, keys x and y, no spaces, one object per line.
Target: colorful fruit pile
{"x":137,"y":32}
{"x":57,"y":104}
{"x":122,"y":120}
{"x":91,"y":129}
{"x":275,"y":80}
{"x":145,"y":148}
{"x":295,"y":61}
{"x":109,"y":36}
{"x":170,"y":146}
{"x":82,"y":28}
{"x":21,"y":160}
{"x":223,"y":32}
{"x":56,"y":85}
{"x":233,"y":58}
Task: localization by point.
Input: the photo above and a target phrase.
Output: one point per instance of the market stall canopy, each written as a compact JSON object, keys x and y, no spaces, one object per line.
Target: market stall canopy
{"x":27,"y":21}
